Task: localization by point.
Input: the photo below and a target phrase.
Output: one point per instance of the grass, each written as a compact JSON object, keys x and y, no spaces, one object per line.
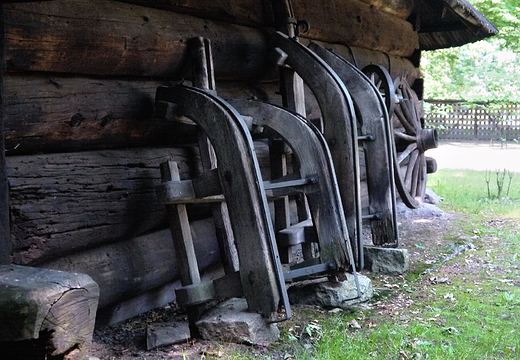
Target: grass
{"x":473,"y":312}
{"x":474,"y":315}
{"x":467,"y":192}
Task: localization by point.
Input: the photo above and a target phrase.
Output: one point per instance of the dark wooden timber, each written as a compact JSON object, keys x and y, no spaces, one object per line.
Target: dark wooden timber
{"x":5,"y":234}
{"x":130,"y":267}
{"x":117,"y":39}
{"x":63,"y":203}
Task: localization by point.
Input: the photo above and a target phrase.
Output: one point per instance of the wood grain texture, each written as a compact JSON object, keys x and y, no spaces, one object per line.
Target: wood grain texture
{"x":112,"y":38}
{"x":244,"y":12}
{"x":5,"y":236}
{"x":63,"y":203}
{"x":133,"y":266}
{"x":56,"y":113}
{"x":42,"y":301}
{"x":356,"y":23}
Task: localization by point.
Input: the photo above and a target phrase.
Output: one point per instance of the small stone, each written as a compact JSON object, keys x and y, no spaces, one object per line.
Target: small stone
{"x":430,"y":197}
{"x":424,"y":211}
{"x":388,"y":261}
{"x":328,"y":294}
{"x":162,"y":334}
{"x":230,"y":322}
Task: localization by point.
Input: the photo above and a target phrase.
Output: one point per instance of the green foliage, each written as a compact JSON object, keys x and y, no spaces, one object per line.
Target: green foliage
{"x":482,"y":71}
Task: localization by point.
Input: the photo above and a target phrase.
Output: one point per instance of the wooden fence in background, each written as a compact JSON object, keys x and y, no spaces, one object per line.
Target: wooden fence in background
{"x":456,"y":120}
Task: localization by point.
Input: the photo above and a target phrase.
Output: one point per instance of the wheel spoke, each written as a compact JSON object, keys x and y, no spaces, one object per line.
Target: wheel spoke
{"x":406,"y":152}
{"x":410,"y":168}
{"x":404,"y":136}
{"x":415,"y":176}
{"x":403,"y":120}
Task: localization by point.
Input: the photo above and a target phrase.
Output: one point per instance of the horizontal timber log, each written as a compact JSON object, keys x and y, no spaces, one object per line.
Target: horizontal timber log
{"x":244,"y":12}
{"x":131,"y":267}
{"x":99,"y":37}
{"x":63,"y":203}
{"x":399,"y":8}
{"x":119,"y":39}
{"x":356,"y":23}
{"x":56,"y":113}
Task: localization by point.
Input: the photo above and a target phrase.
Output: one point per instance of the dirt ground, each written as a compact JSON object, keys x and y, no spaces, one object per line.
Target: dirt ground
{"x":423,"y":235}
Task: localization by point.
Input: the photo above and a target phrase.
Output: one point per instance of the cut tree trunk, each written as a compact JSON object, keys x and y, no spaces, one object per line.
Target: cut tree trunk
{"x":46,"y":313}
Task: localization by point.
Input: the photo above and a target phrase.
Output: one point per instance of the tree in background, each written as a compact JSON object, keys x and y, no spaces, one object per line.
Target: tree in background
{"x":483,"y":71}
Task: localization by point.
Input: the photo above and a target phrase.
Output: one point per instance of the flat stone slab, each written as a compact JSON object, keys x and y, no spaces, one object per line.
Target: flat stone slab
{"x":230,"y":322}
{"x":162,"y":334}
{"x":329,"y":294}
{"x":388,"y":261}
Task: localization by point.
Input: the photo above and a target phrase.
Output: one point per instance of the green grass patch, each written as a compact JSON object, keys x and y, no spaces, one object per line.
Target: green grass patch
{"x":467,"y":192}
{"x":474,"y":315}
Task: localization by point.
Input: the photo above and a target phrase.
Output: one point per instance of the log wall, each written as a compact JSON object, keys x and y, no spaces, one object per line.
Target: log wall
{"x":83,"y":149}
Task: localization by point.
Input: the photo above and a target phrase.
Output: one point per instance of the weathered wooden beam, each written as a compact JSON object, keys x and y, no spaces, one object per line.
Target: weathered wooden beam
{"x":117,"y":39}
{"x":399,"y":8}
{"x":5,"y":233}
{"x":63,"y":203}
{"x":53,"y":113}
{"x":356,"y":23}
{"x":113,"y":38}
{"x":244,"y":12}
{"x":46,"y":313}
{"x":133,"y":266}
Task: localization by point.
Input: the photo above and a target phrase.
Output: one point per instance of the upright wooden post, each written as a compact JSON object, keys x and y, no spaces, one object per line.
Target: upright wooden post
{"x":5,"y":234}
{"x":204,"y":78}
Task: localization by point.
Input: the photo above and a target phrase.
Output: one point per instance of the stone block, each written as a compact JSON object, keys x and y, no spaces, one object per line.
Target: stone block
{"x":162,"y":334}
{"x":328,"y":294}
{"x":388,"y":261}
{"x":230,"y":322}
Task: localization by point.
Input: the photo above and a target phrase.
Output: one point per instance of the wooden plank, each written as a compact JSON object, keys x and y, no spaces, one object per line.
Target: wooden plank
{"x":181,"y":232}
{"x":399,"y":8}
{"x":245,"y":12}
{"x":115,"y":113}
{"x":117,"y":39}
{"x":40,"y":303}
{"x":5,"y":231}
{"x":356,"y":23}
{"x":73,"y":201}
{"x":203,"y":77}
{"x":373,"y":120}
{"x":134,"y":266}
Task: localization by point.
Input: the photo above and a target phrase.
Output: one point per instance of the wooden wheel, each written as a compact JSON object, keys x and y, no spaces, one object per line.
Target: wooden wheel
{"x":411,"y":140}
{"x":380,"y":77}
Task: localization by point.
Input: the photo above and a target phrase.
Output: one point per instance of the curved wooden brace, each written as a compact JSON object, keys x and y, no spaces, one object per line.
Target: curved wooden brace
{"x":374,"y":121}
{"x":239,"y":173}
{"x":340,"y":126}
{"x":314,"y":159}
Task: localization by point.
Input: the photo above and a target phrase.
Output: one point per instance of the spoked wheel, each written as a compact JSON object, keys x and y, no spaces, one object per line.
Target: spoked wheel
{"x":380,"y":77}
{"x":411,"y":140}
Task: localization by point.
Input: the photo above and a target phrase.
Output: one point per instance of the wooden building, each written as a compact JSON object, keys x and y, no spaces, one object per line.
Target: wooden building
{"x":81,"y":148}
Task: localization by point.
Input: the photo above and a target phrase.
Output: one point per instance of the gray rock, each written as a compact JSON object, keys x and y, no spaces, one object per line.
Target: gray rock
{"x":430,"y":197}
{"x":329,"y":294}
{"x":424,"y":211}
{"x":162,"y":334}
{"x":230,"y":322}
{"x":386,"y":260}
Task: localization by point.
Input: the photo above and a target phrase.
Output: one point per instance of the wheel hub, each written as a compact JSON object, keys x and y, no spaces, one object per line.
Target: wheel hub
{"x":427,"y":139}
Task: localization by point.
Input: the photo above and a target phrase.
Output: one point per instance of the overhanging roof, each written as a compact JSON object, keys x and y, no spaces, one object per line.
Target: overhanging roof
{"x":450,"y":23}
